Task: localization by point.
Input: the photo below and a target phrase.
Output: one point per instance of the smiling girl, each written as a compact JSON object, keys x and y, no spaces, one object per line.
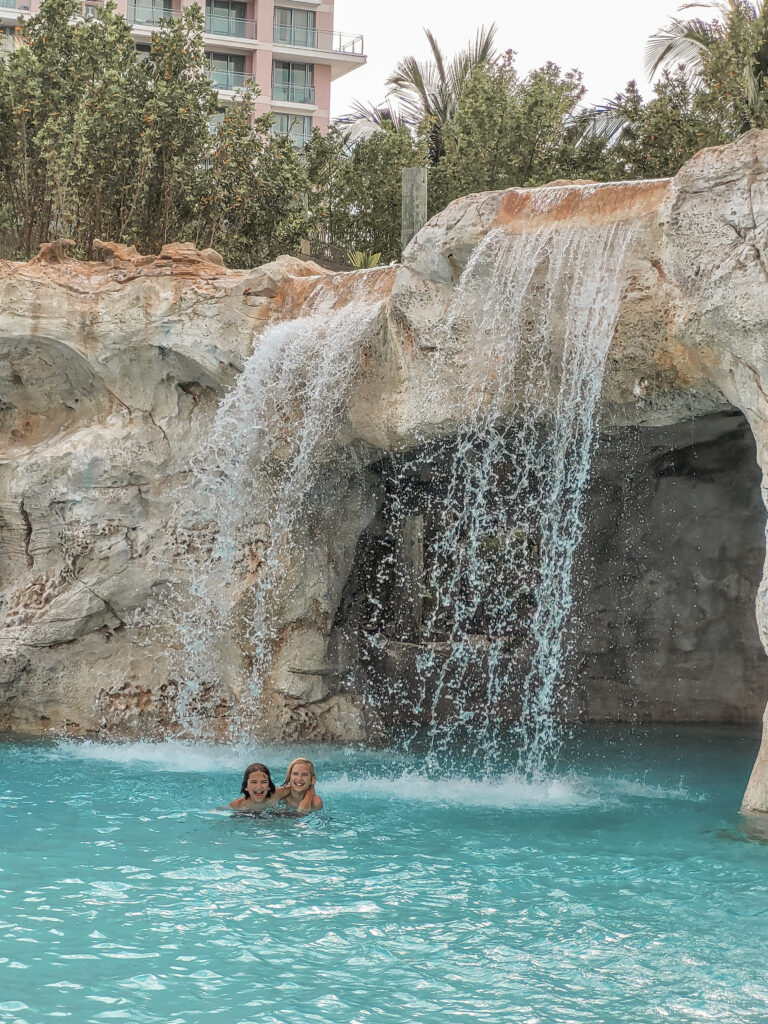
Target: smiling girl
{"x":300,"y":782}
{"x":258,"y":789}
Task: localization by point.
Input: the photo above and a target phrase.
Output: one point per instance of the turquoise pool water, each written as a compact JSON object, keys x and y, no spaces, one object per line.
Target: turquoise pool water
{"x":626,"y":889}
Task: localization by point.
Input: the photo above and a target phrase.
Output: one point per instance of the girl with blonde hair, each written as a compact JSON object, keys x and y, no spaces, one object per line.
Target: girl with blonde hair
{"x":300,"y":780}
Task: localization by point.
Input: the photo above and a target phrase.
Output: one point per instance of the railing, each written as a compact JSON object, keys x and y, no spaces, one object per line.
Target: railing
{"x":293,"y":93}
{"x":139,"y":14}
{"x":298,"y":134}
{"x":324,"y":247}
{"x":228,"y":79}
{"x":316,"y":39}
{"x":229,"y":25}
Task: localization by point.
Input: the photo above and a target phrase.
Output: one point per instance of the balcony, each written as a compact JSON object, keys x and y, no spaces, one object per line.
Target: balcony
{"x":318,"y":39}
{"x":282,"y":93}
{"x":229,"y":79}
{"x":149,"y":14}
{"x":229,"y":25}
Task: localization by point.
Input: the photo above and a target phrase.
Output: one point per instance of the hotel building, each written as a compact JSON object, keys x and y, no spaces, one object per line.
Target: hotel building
{"x":289,"y":47}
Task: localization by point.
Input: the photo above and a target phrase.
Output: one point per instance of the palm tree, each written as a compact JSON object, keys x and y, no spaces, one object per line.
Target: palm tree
{"x":687,"y":41}
{"x":428,"y":91}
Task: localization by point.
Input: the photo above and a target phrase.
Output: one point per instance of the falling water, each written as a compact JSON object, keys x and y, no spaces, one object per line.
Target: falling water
{"x":275,"y":440}
{"x":541,"y":309}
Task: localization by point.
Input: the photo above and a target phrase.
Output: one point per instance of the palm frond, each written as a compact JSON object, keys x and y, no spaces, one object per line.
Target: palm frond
{"x":604,"y":122}
{"x":371,"y":117}
{"x":420,"y":90}
{"x":483,"y":50}
{"x":437,"y":56}
{"x":414,"y":74}
{"x":682,"y":42}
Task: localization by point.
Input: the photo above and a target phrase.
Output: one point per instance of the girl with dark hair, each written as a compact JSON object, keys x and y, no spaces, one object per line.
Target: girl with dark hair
{"x":258,"y":789}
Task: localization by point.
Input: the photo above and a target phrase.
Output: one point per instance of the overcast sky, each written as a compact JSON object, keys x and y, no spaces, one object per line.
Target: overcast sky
{"x":604,"y":39}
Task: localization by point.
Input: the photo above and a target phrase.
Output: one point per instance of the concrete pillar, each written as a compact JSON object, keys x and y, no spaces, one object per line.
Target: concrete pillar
{"x":414,"y":202}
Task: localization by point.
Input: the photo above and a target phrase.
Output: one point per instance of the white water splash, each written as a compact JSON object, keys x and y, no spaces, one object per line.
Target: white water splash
{"x":378,"y":782}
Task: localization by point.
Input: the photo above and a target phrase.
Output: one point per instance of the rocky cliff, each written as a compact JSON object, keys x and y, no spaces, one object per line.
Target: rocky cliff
{"x":112,"y":372}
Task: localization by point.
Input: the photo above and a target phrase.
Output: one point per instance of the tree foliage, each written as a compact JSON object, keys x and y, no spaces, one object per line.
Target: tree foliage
{"x":356,"y":192}
{"x":510,"y":131}
{"x":725,"y":60}
{"x":99,"y":141}
{"x":250,"y":196}
{"x":654,"y":139}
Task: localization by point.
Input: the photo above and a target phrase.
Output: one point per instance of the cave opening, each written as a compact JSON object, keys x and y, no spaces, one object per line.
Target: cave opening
{"x":662,"y":626}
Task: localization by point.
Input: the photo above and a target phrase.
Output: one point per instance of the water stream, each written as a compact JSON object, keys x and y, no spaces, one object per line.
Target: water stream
{"x":540,"y":311}
{"x":276,"y":438}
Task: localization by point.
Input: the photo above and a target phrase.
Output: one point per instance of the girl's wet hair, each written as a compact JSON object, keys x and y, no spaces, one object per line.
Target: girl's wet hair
{"x":300,"y":760}
{"x":257,"y":768}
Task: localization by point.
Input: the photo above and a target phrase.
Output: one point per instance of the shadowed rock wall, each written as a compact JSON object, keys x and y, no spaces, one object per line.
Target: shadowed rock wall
{"x":669,"y":567}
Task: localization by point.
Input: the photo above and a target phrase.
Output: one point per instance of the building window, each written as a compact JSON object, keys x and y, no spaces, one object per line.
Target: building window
{"x":7,"y":42}
{"x":296,"y":28}
{"x":216,"y":120}
{"x":149,"y":12}
{"x":226,"y":18}
{"x":227,"y":70}
{"x":296,"y":127}
{"x":293,"y":83}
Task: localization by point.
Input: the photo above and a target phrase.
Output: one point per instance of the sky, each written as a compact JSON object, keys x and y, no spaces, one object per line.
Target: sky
{"x":604,"y":39}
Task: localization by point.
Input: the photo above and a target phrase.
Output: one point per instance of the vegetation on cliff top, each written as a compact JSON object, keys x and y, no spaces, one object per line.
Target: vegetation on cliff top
{"x":98,"y":140}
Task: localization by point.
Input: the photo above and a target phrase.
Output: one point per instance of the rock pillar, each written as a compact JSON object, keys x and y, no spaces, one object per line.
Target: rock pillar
{"x":414,"y":202}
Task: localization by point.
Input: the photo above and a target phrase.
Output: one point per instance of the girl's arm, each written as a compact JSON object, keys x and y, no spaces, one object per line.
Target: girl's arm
{"x":280,"y":793}
{"x":238,"y":803}
{"x":310,"y":802}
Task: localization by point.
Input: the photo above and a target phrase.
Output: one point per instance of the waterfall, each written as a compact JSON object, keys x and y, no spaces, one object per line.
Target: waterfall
{"x":524,"y":343}
{"x":275,"y":435}
{"x":542,"y":309}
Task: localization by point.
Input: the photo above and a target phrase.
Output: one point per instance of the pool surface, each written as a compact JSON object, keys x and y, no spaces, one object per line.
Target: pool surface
{"x":625,"y":889}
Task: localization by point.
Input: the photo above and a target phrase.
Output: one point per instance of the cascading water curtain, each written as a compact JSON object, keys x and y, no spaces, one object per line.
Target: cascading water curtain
{"x":272,"y":440}
{"x":541,"y":309}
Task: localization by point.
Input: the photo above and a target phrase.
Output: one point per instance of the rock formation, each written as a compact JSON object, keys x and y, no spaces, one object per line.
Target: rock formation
{"x":111,"y":373}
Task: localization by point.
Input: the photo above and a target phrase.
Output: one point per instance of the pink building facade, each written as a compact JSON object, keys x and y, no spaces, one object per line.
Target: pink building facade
{"x":291,"y":48}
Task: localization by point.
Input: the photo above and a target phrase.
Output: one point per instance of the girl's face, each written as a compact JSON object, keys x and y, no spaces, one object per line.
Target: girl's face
{"x":300,"y":778}
{"x":257,"y":786}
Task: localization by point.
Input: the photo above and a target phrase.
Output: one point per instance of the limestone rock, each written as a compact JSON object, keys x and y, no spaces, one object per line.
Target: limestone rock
{"x":112,"y":371}
{"x":53,"y":252}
